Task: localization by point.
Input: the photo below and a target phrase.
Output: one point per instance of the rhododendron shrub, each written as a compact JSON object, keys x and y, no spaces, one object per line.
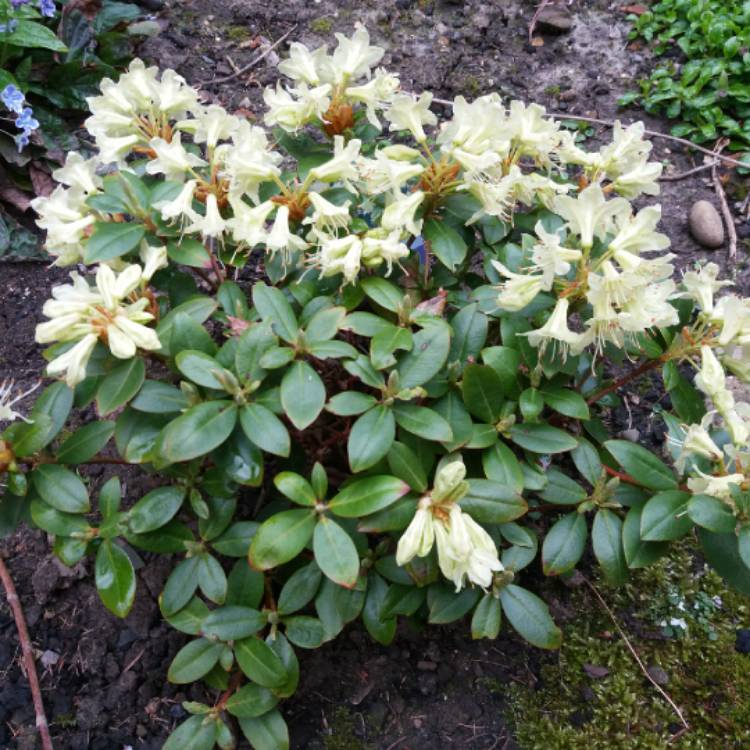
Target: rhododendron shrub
{"x":400,"y":415}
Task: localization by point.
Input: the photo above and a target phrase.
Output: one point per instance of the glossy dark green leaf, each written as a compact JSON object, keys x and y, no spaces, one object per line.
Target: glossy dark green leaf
{"x":111,"y":240}
{"x":230,"y":623}
{"x":180,"y":586}
{"x":193,"y":660}
{"x":300,"y":589}
{"x":368,"y":495}
{"x":606,"y":538}
{"x":120,"y":385}
{"x":564,"y":544}
{"x":266,"y":732}
{"x":446,"y":605}
{"x":251,"y":701}
{"x":198,"y":431}
{"x":445,"y":242}
{"x":405,"y":465}
{"x":529,"y":615}
{"x":482,"y":392}
{"x":296,"y":488}
{"x":85,"y":442}
{"x":501,"y":465}
{"x":638,"y":552}
{"x":275,"y":309}
{"x":303,"y":394}
{"x":265,"y":429}
{"x":371,"y":437}
{"x":193,"y":734}
{"x":665,"y":517}
{"x":423,"y":422}
{"x":156,"y":508}
{"x":491,"y":502}
{"x":61,"y":488}
{"x":541,"y":438}
{"x":427,"y":356}
{"x":639,"y":462}
{"x":335,"y":553}
{"x":487,"y":618}
{"x":382,"y":629}
{"x":712,"y":514}
{"x":566,"y":401}
{"x":281,"y":538}
{"x":259,"y":662}
{"x":115,"y":578}
{"x":305,"y":631}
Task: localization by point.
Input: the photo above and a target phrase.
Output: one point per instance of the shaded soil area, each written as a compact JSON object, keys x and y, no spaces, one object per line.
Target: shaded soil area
{"x":104,"y":680}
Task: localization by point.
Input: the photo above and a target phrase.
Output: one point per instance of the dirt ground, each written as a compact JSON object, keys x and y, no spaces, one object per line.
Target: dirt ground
{"x":104,"y":680}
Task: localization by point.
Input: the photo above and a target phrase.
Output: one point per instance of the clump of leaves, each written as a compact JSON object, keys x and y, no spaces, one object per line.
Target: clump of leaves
{"x":703,"y":79}
{"x":402,"y":412}
{"x":51,"y":59}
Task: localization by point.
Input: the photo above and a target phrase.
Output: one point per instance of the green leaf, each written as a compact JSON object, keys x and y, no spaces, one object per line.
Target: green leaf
{"x":506,"y":362}
{"x":586,"y":459}
{"x":235,"y":541}
{"x":305,"y":631}
{"x":723,"y":553}
{"x":382,"y":629}
{"x":54,"y":521}
{"x":428,"y":355}
{"x":296,"y":488}
{"x":387,"y":341}
{"x":120,"y":385}
{"x":368,"y":495}
{"x":29,"y":438}
{"x":198,"y":308}
{"x":335,"y":553}
{"x":445,"y":242}
{"x":200,"y":368}
{"x":324,"y":325}
{"x":61,"y":488}
{"x":501,"y":465}
{"x":110,"y":497}
{"x":275,"y":309}
{"x":281,"y":538}
{"x":712,"y":514}
{"x":303,"y":394}
{"x":485,"y":623}
{"x":743,"y":545}
{"x":259,"y":662}
{"x":606,"y":538}
{"x":639,"y":553}
{"x":561,"y":489}
{"x":665,"y":517}
{"x":156,"y":397}
{"x":469,"y":326}
{"x":115,"y":578}
{"x":254,"y":342}
{"x":491,"y":502}
{"x":350,"y":403}
{"x":198,"y":431}
{"x":541,"y":438}
{"x":423,"y":422}
{"x":446,"y":605}
{"x":300,"y":589}
{"x":244,"y":585}
{"x":212,"y":580}
{"x":55,"y":403}
{"x":189,"y":252}
{"x":382,"y":292}
{"x":371,"y":437}
{"x":267,"y":732}
{"x":564,"y":544}
{"x":566,"y":401}
{"x":155,"y":509}
{"x":529,"y":615}
{"x":194,"y":660}
{"x":265,"y":429}
{"x":111,"y":240}
{"x":531,"y":404}
{"x":482,"y":392}
{"x":193,"y":734}
{"x":451,"y":408}
{"x":640,"y":463}
{"x":251,"y":701}
{"x":34,"y":35}
{"x":230,"y":623}
{"x":180,"y":586}
{"x":405,"y":465}
{"x":85,"y":442}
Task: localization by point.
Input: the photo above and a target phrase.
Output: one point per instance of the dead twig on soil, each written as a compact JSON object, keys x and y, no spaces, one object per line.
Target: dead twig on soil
{"x":722,"y":196}
{"x":538,"y":12}
{"x":638,"y":660}
{"x":689,"y":173}
{"x":28,"y":654}
{"x":241,"y":71}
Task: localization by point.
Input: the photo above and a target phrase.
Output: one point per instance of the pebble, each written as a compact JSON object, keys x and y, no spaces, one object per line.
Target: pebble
{"x":705,"y":224}
{"x":658,"y":675}
{"x":595,"y":672}
{"x":555,"y":21}
{"x":742,"y":644}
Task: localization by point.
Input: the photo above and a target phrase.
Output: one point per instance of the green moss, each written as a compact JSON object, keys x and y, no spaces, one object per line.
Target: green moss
{"x":341,"y":734}
{"x":238,"y":33}
{"x":708,"y":679}
{"x":321,"y":25}
{"x":552,"y":90}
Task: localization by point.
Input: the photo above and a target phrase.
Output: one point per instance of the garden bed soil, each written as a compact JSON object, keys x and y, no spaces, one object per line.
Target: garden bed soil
{"x":103,"y":680}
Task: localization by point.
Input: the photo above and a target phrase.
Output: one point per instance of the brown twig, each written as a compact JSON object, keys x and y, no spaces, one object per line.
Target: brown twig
{"x":28,"y":655}
{"x":643,"y":368}
{"x":722,"y":196}
{"x":689,"y":173}
{"x":637,"y":658}
{"x":538,"y":12}
{"x":240,"y":71}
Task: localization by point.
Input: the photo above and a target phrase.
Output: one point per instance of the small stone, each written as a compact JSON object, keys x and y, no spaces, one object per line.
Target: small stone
{"x":742,"y":644}
{"x":631,"y":435}
{"x":555,"y":21}
{"x":658,"y":675}
{"x":49,"y":658}
{"x":426,"y":666}
{"x":587,"y":694}
{"x":706,"y":225}
{"x":595,"y":672}
{"x":482,"y":21}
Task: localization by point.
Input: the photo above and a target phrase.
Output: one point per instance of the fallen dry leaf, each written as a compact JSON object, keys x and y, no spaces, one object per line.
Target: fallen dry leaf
{"x":41,"y":179}
{"x":638,"y":9}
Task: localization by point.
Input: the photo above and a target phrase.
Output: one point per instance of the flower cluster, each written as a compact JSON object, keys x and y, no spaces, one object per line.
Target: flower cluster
{"x":111,"y":311}
{"x":465,"y":550}
{"x":14,"y":100}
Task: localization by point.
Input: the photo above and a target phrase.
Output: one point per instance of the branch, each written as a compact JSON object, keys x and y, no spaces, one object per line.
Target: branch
{"x":251,"y":64}
{"x":28,"y":655}
{"x":722,"y":196}
{"x":644,"y":367}
{"x":689,"y":173}
{"x":637,"y":658}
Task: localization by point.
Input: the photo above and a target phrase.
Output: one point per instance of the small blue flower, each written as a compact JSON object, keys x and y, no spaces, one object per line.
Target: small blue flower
{"x":47,"y":8}
{"x":13,"y":98}
{"x":9,"y":27}
{"x":18,"y":3}
{"x":22,"y":140}
{"x":26,"y":122}
{"x":418,"y":247}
